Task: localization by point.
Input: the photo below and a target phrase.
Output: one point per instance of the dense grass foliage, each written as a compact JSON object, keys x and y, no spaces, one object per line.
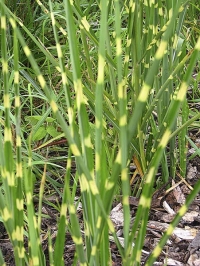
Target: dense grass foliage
{"x":110,"y":80}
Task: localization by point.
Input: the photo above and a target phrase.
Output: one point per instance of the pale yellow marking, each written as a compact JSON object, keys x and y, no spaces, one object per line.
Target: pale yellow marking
{"x":98,"y":225}
{"x":87,"y":232}
{"x":182,"y":91}
{"x":129,"y":42}
{"x":145,"y":2}
{"x":18,"y":141}
{"x":63,"y":210}
{"x":111,"y":226}
{"x":124,"y":174}
{"x":85,"y":99}
{"x":164,"y":27}
{"x":138,"y":255}
{"x":94,"y":250}
{"x":197,"y":46}
{"x":20,"y":23}
{"x":79,"y":93}
{"x":181,"y":8}
{"x":133,"y":7}
{"x":165,"y":138}
{"x":144,"y":93}
{"x":170,"y":230}
{"x":160,"y":11}
{"x":150,"y":175}
{"x":151,"y":44}
{"x":29,"y":198}
{"x":75,"y":150}
{"x":20,"y":204}
{"x":54,"y":106}
{"x":175,"y":41}
{"x":6,"y":214}
{"x":180,"y":53}
{"x":17,"y":101}
{"x":6,"y":101}
{"x":155,"y":31}
{"x":70,"y":114}
{"x":87,"y":142}
{"x":161,"y":50}
{"x":97,"y":162}
{"x":41,"y":81}
{"x":97,"y":123}
{"x":170,"y":14}
{"x":29,"y":162}
{"x":85,"y":23}
{"x":84,"y":183}
{"x":77,"y":241}
{"x":145,"y":202}
{"x":35,"y":226}
{"x":27,"y":51}
{"x":21,"y":252}
{"x":126,"y":200}
{"x":120,"y":90}
{"x":78,"y":86}
{"x":93,"y":187}
{"x":72,"y":209}
{"x":4,"y":66}
{"x":118,"y":47}
{"x":101,"y":64}
{"x":59,"y":51}
{"x":3,"y":22}
{"x":182,"y":210}
{"x":52,"y":19}
{"x":109,"y":185}
{"x":18,"y":234}
{"x":50,"y":248}
{"x":11,"y":179}
{"x":16,"y":77}
{"x":118,"y":159}
{"x":156,"y":251}
{"x":126,"y":59}
{"x":123,"y":121}
{"x":64,"y":79}
{"x":35,"y":261}
{"x":39,"y":3}
{"x":58,"y":68}
{"x":19,"y":169}
{"x":92,"y":174}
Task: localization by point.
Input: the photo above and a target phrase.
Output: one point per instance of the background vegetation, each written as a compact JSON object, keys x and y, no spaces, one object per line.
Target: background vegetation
{"x":110,"y":80}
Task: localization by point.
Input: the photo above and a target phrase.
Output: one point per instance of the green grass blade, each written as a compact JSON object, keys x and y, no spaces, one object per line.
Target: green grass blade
{"x":123,"y":143}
